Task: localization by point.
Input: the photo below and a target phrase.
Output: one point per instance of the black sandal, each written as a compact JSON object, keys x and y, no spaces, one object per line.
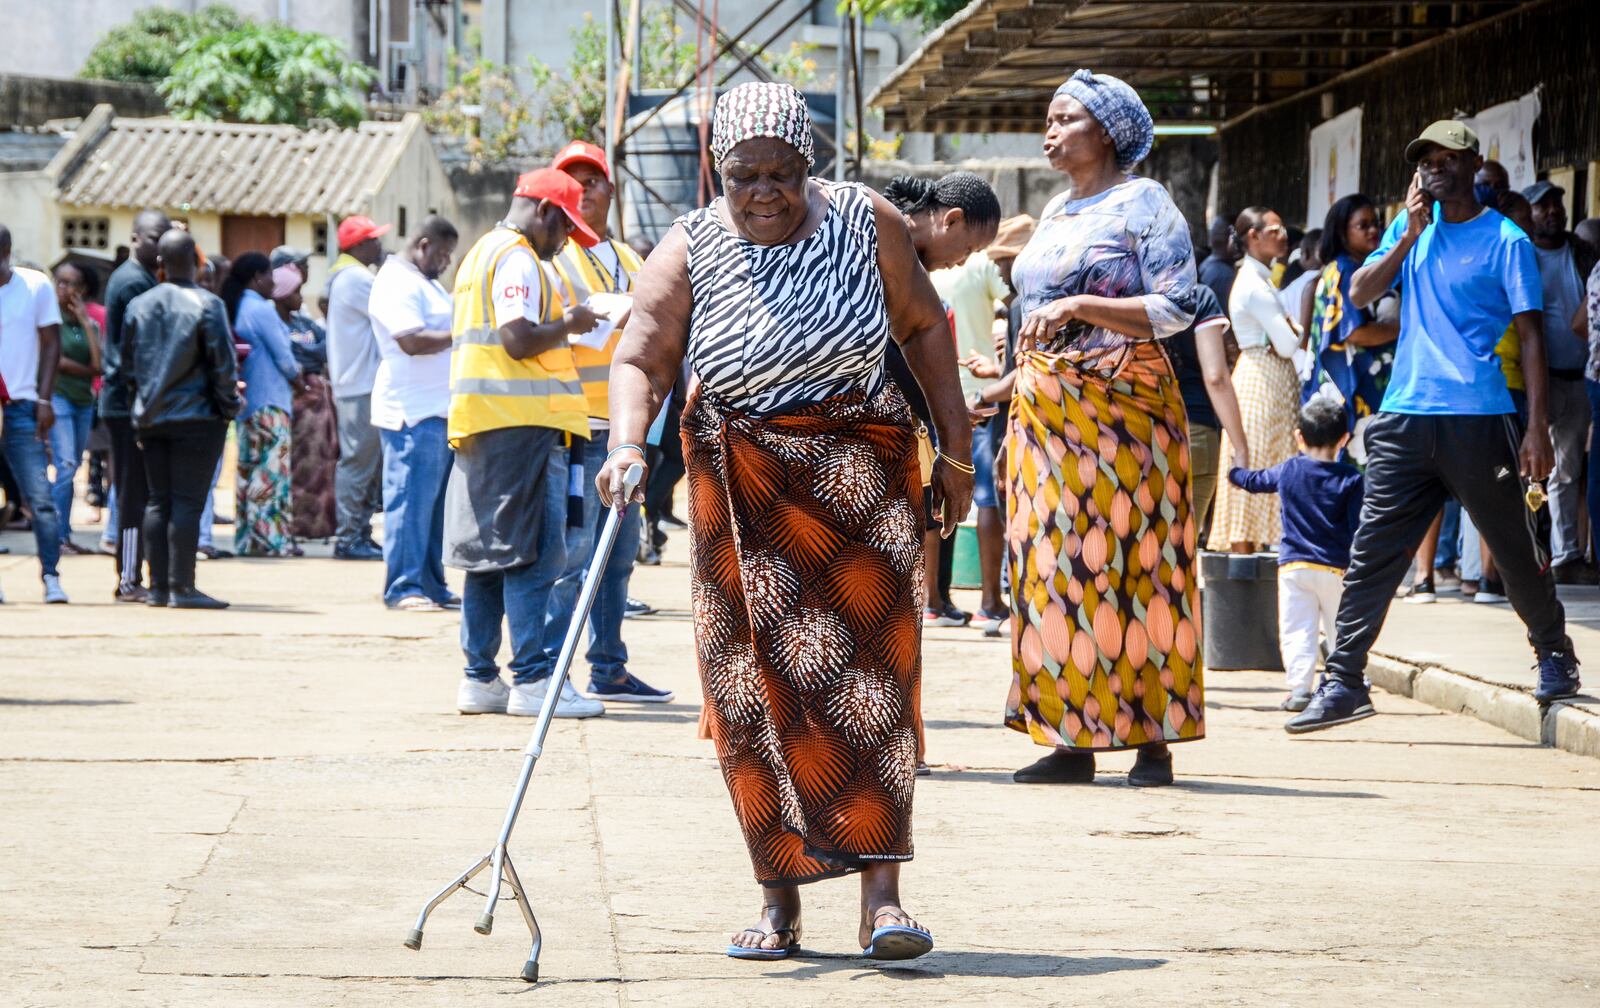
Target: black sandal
{"x":1058,"y":767}
{"x":1151,"y":771}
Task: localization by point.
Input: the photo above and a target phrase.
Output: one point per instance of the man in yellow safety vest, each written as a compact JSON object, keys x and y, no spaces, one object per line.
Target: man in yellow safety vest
{"x":605,"y":269}
{"x":516,"y":405}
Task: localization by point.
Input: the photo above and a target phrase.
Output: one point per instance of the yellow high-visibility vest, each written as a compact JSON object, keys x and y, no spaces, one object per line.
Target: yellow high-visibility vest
{"x":584,"y":274}
{"x":489,"y":389}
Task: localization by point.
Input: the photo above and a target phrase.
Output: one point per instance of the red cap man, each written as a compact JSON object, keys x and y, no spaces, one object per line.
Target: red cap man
{"x":582,"y":152}
{"x":587,"y":163}
{"x":560,"y":190}
{"x":358,"y":237}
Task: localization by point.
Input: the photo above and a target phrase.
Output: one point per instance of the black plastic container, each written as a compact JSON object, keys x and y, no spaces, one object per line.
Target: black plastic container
{"x":1239,"y":611}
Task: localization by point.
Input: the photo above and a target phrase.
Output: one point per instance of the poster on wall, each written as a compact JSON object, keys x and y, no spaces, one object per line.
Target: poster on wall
{"x":1505,"y":134}
{"x":1335,"y":163}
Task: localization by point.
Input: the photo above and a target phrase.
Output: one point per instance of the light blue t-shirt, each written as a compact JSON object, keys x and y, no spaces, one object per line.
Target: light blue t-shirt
{"x":1459,"y":287}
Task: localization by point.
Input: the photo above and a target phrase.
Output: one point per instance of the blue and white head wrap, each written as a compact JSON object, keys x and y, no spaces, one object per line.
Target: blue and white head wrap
{"x":1118,"y":108}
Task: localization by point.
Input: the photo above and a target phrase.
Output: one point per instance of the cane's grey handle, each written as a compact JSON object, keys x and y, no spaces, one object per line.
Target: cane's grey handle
{"x":630,"y":483}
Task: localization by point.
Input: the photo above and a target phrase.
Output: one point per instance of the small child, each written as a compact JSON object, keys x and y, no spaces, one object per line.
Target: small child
{"x":1320,"y":498}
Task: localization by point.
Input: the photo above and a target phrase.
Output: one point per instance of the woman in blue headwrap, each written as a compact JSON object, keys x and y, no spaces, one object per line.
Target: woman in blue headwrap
{"x":1105,"y":637}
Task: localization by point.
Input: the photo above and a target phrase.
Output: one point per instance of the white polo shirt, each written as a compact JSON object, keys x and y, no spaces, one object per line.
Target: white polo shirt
{"x":27,"y":304}
{"x":408,"y":389}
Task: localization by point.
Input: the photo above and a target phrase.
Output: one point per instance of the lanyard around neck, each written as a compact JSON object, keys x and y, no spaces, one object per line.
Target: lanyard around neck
{"x":611,"y":278}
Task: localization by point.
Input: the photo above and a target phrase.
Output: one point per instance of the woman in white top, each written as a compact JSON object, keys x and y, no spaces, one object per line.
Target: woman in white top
{"x":1264,"y":381}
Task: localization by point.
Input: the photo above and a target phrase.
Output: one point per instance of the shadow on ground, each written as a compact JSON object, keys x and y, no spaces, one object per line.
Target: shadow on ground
{"x":28,"y":702}
{"x":936,"y":965}
{"x":1113,"y":779}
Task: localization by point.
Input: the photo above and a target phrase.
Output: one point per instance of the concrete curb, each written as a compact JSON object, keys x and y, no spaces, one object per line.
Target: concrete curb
{"x":1567,"y":725}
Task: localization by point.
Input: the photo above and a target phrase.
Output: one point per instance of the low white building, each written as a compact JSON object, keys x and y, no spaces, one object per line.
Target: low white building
{"x":239,"y":187}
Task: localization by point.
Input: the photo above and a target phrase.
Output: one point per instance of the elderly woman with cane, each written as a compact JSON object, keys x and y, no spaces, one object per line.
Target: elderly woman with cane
{"x":1105,"y":648}
{"x":805,"y":503}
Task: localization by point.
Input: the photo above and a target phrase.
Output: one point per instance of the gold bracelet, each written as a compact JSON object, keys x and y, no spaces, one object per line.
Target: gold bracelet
{"x":962,"y":466}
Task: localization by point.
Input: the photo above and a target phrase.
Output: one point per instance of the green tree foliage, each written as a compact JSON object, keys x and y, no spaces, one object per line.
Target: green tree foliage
{"x":573,"y":101}
{"x":218,"y":65}
{"x":267,"y":74}
{"x":930,"y":13}
{"x":486,"y":109}
{"x":145,"y":49}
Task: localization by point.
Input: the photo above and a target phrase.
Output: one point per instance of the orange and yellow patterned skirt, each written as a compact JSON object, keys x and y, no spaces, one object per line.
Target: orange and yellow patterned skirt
{"x":806,"y":571}
{"x":1105,"y":649}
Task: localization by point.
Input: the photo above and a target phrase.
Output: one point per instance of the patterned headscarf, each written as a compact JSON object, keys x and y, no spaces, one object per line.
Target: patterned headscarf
{"x":760,"y":109}
{"x":1118,"y":108}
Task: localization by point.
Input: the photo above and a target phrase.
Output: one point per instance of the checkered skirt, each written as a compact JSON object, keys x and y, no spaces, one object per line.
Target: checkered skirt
{"x":1269,"y":396}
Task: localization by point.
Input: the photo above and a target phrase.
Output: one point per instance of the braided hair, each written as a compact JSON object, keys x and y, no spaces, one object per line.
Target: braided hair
{"x":961,"y":190}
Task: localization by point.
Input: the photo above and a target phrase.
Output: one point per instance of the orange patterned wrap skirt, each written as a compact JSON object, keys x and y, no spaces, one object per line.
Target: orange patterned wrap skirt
{"x":1105,"y":649}
{"x":806,"y":563}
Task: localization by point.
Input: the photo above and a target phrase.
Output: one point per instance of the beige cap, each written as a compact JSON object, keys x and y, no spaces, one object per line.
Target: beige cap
{"x":1451,"y":134}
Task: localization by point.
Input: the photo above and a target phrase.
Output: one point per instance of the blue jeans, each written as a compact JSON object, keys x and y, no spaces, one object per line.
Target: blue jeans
{"x":69,"y":438}
{"x":30,"y":462}
{"x":108,"y":535}
{"x":608,"y":656}
{"x":1449,"y":551}
{"x":416,"y":465}
{"x":983,"y":455}
{"x":518,"y":595}
{"x":580,"y":550}
{"x":1593,"y":389}
{"x":208,"y":514}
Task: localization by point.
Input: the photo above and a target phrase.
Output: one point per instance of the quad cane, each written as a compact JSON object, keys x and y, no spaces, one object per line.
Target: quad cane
{"x":498,"y":860}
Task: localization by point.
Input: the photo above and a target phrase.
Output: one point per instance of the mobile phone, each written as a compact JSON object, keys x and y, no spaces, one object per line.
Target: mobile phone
{"x":1427,"y":199}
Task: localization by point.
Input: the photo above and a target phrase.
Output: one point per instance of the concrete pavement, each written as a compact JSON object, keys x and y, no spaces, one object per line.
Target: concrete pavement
{"x":1475,"y":659}
{"x":248,"y":808}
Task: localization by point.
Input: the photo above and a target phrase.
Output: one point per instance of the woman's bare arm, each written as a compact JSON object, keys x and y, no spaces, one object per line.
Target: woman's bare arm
{"x":1219,"y":385}
{"x":649,"y":355}
{"x":923,"y":332}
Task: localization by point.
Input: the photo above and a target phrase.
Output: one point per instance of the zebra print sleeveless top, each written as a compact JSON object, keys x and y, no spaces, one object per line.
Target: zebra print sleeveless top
{"x":775,"y":327}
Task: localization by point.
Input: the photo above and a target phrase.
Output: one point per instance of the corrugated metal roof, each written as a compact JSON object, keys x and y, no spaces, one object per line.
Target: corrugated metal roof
{"x":234,"y":168}
{"x":993,"y":67}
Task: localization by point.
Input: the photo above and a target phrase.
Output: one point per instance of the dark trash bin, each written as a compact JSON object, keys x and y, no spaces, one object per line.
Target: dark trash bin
{"x":1239,"y":611}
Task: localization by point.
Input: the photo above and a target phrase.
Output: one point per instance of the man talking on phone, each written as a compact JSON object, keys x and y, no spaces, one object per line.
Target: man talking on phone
{"x":1447,"y":424}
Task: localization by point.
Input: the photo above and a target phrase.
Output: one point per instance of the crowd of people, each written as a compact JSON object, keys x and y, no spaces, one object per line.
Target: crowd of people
{"x":851,"y":372}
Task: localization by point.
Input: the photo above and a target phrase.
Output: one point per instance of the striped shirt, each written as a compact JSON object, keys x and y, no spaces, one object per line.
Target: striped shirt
{"x":776,"y":327}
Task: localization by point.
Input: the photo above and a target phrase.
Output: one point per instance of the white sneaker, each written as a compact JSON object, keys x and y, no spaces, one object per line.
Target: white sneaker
{"x":474,"y":697}
{"x":2,"y":598}
{"x":527,"y":698}
{"x":53,"y":595}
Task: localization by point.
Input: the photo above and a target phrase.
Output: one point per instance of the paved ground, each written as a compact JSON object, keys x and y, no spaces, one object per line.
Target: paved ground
{"x":247,"y":808}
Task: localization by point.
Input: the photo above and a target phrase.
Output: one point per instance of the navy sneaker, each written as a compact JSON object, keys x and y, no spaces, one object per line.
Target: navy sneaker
{"x":629,"y":689}
{"x":1334,"y":703}
{"x":634,"y":607}
{"x":1558,"y":675}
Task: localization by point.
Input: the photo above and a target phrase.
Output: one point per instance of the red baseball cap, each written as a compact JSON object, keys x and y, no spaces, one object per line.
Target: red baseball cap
{"x":564,"y":191}
{"x":355,"y":230}
{"x":582,"y":152}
